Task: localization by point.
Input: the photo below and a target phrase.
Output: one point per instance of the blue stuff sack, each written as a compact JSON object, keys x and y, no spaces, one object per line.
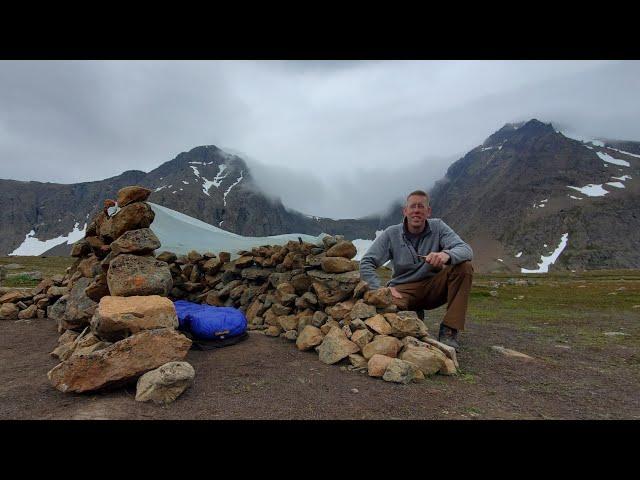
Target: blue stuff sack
{"x":206,"y":322}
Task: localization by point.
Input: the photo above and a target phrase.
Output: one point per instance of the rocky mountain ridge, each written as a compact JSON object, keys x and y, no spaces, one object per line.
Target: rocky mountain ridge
{"x":512,"y":198}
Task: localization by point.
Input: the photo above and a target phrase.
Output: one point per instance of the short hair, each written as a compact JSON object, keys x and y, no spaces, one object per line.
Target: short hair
{"x":420,"y":193}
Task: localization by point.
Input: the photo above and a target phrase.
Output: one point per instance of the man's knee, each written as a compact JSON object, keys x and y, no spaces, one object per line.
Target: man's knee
{"x":463,"y":268}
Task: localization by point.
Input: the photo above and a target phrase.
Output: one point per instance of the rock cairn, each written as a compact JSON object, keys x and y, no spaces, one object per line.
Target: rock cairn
{"x":117,"y":325}
{"x":116,"y":299}
{"x":312,"y":295}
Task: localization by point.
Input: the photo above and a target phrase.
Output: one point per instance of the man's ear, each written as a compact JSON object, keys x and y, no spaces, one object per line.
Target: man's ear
{"x":428,"y":211}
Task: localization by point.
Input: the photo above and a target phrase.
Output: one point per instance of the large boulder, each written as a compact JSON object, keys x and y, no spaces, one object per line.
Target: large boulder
{"x":120,"y":363}
{"x":130,"y":275}
{"x":132,"y":217}
{"x":166,"y":383}
{"x":132,"y":194}
{"x":119,"y":317}
{"x":336,"y":346}
{"x":140,"y":242}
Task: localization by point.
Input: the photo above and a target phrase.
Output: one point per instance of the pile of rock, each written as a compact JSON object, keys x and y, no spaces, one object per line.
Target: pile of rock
{"x":117,"y":324}
{"x":312,"y":295}
{"x":26,"y":303}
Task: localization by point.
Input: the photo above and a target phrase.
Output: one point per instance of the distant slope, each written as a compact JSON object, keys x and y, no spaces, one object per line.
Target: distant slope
{"x":512,"y":198}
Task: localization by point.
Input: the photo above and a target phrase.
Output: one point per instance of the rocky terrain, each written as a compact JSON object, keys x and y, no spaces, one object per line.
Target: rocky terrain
{"x":512,"y":198}
{"x":117,"y":322}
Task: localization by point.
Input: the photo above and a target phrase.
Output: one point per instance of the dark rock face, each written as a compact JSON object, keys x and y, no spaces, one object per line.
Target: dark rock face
{"x":51,"y":209}
{"x":513,"y":190}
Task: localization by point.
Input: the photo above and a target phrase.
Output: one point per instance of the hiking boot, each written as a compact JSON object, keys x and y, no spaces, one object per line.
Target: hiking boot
{"x":449,"y":336}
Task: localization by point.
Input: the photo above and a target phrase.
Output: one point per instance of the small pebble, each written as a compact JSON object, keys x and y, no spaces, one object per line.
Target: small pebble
{"x":354,"y":390}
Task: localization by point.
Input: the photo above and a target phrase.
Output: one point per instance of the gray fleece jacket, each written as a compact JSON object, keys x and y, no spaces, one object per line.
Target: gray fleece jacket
{"x":394,"y":245}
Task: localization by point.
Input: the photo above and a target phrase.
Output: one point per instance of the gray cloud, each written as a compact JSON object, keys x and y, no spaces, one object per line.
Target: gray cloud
{"x":331,"y":138}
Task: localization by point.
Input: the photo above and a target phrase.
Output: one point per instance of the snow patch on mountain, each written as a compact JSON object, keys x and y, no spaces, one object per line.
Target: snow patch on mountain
{"x":218,"y":180}
{"x":32,"y":246}
{"x":233,"y":185}
{"x":545,"y":262}
{"x":608,"y":158}
{"x":626,"y":153}
{"x":591,"y":190}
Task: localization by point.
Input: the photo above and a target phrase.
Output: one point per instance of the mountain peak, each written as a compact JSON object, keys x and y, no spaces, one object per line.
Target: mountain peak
{"x":533,"y":127}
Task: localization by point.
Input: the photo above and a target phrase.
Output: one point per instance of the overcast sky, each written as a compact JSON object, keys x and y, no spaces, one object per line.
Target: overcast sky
{"x":330,"y":138}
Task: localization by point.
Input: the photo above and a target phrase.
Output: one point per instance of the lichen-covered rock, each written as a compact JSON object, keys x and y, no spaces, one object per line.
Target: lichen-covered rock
{"x":131,"y":275}
{"x":362,"y":310}
{"x":120,"y":363}
{"x":131,"y":217}
{"x":357,"y":360}
{"x":406,"y":323}
{"x":361,"y":338}
{"x":166,"y":383}
{"x":79,"y":307}
{"x":139,"y":242}
{"x":400,"y":371}
{"x":428,"y":360}
{"x":119,"y":317}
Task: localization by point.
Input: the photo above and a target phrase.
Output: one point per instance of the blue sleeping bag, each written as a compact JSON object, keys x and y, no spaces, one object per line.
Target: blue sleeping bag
{"x":210,"y":323}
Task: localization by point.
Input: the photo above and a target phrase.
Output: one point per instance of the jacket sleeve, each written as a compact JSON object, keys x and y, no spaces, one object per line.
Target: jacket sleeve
{"x":452,"y":244}
{"x":378,"y":254}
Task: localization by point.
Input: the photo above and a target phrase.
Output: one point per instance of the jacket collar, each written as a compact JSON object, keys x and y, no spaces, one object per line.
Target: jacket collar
{"x":424,"y":232}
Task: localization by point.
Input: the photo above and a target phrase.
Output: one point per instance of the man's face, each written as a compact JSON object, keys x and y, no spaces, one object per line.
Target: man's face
{"x":416,"y":211}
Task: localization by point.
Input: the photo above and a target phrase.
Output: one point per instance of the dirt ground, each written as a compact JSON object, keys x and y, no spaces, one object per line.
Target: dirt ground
{"x":268,"y":378}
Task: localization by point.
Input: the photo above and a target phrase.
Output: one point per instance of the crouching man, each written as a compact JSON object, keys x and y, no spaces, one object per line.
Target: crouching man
{"x":431,"y":265}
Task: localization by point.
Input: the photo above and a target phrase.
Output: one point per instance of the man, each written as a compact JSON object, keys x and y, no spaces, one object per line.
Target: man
{"x":431,"y":265}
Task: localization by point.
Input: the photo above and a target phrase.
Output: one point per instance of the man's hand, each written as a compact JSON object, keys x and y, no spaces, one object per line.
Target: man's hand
{"x":395,"y":293}
{"x":437,"y":259}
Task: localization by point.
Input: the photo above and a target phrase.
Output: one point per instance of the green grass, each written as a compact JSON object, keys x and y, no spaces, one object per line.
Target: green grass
{"x":560,"y":307}
{"x":47,"y":265}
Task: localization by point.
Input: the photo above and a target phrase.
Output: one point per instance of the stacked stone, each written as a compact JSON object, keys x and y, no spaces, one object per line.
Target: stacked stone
{"x":312,"y":295}
{"x":117,"y":324}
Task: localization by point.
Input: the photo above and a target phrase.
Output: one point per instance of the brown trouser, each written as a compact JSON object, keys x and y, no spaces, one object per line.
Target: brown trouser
{"x":451,"y":285}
